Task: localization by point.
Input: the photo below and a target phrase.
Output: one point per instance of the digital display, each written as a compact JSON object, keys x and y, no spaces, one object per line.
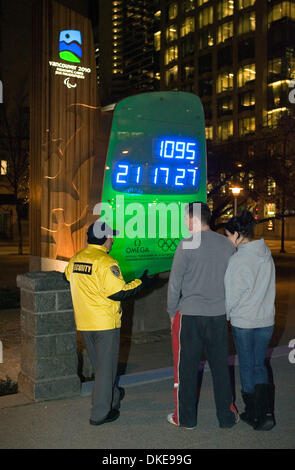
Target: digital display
{"x":157,"y":166}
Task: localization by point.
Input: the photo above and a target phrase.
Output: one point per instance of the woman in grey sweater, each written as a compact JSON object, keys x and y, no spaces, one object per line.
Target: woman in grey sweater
{"x":250,"y":297}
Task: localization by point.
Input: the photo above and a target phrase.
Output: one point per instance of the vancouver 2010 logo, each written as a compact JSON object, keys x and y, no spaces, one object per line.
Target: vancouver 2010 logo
{"x":70,"y":45}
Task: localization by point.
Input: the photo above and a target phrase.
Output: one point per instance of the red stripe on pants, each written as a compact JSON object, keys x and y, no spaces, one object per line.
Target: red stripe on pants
{"x":176,"y":357}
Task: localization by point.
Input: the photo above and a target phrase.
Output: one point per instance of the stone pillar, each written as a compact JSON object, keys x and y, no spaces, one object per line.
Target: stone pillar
{"x":49,"y":362}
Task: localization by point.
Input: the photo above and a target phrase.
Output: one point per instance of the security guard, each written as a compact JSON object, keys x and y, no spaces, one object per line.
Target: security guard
{"x":97,"y":287}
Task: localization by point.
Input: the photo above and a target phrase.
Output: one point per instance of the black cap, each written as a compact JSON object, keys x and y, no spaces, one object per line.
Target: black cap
{"x":99,"y":232}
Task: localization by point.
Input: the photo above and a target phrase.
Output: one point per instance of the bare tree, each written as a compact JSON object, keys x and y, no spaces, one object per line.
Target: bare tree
{"x":14,"y":147}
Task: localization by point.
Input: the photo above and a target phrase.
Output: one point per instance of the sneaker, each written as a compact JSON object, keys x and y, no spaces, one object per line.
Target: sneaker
{"x":112,"y":416}
{"x":226,"y":425}
{"x":171,"y":421}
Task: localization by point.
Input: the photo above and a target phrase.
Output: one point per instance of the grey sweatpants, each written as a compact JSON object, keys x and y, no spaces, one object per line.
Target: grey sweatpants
{"x":103,"y":351}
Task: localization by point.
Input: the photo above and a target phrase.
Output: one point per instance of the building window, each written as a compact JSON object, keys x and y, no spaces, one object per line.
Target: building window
{"x":187,"y":72}
{"x":225,"y":130}
{"x":187,"y":46}
{"x":247,"y":23}
{"x":157,"y":40}
{"x":247,"y":125}
{"x":281,"y":69}
{"x":278,"y":94}
{"x":205,"y":87}
{"x":225,"y":106}
{"x":209,"y":132}
{"x":246,"y":101}
{"x":246,"y":75}
{"x":205,"y":63}
{"x":188,"y":5}
{"x":281,"y":10}
{"x":246,"y":49}
{"x":246,"y":3}
{"x":171,"y":54}
{"x":188,"y":26}
{"x":3,"y":171}
{"x":202,"y":2}
{"x":225,"y":81}
{"x":269,"y":210}
{"x":225,"y":8}
{"x":225,"y":56}
{"x":271,"y":187}
{"x":206,"y":39}
{"x":171,"y":76}
{"x":205,"y":17}
{"x":207,"y":106}
{"x":225,"y":31}
{"x":172,"y":11}
{"x":274,"y":115}
{"x":171,"y":33}
{"x":251,"y":182}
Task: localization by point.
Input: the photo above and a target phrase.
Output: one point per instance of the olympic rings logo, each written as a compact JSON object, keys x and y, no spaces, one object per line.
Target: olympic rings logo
{"x":168,"y":244}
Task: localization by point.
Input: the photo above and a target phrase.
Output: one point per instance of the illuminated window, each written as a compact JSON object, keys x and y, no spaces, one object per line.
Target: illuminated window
{"x":247,"y":125}
{"x":225,"y":31}
{"x":246,"y":101}
{"x":158,"y":14}
{"x":172,"y":11}
{"x":281,"y":69}
{"x":171,"y":54}
{"x":209,"y":132}
{"x":271,"y":187}
{"x":281,"y":10}
{"x":274,"y":115}
{"x":251,"y":183}
{"x":3,"y":167}
{"x":188,"y":5}
{"x":245,"y":3}
{"x":171,"y":76}
{"x":225,"y":106}
{"x":202,"y":2}
{"x":269,"y":210}
{"x":225,"y":81}
{"x":157,"y":40}
{"x":225,"y":130}
{"x":247,"y":23}
{"x":187,"y":72}
{"x":206,"y":39}
{"x":206,"y":17}
{"x":188,"y":26}
{"x":246,"y":74}
{"x":171,"y":33}
{"x":225,"y":8}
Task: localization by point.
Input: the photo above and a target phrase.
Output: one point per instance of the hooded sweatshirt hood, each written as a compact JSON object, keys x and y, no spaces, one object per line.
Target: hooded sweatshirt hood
{"x":250,"y":286}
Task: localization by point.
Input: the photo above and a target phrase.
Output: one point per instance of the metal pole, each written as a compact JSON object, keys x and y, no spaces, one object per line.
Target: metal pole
{"x":235,"y":205}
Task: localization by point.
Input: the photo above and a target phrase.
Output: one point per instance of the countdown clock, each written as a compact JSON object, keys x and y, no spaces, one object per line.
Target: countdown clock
{"x":156,"y":154}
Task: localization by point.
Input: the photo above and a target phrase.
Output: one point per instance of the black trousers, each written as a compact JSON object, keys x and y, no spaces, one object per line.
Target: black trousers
{"x":192,"y":336}
{"x":103,"y":351}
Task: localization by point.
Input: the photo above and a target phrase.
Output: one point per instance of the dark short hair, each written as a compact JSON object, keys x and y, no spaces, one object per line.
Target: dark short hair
{"x":205,"y":211}
{"x":243,"y":224}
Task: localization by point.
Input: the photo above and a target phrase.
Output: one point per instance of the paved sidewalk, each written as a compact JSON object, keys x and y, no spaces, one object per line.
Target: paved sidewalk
{"x":64,"y":424}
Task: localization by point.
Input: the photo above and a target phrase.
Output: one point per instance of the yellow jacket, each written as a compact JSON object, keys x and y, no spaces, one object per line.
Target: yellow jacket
{"x":94,"y":276}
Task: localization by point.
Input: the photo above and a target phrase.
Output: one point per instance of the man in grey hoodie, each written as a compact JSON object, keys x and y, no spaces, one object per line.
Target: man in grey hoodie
{"x":196,"y":305}
{"x":250,"y":304}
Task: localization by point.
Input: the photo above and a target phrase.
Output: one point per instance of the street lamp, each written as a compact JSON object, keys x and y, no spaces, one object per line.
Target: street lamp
{"x":236,"y":192}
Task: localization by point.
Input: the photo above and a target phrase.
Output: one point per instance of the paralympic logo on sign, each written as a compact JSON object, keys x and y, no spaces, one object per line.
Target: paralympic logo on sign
{"x":70,"y":45}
